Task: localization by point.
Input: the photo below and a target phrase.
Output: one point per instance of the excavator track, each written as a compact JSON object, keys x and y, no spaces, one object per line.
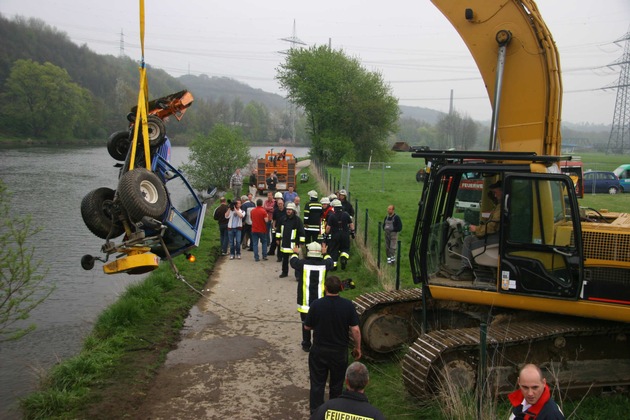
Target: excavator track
{"x":580,"y":354}
{"x":386,"y":320}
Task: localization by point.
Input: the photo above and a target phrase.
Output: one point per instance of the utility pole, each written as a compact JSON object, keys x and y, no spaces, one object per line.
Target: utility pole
{"x":619,"y":139}
{"x":294,"y":41}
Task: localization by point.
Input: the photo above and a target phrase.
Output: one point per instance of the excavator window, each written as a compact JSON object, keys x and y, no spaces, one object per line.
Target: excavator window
{"x":538,"y":243}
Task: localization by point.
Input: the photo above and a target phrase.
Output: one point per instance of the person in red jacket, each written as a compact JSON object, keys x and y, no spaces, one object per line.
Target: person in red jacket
{"x":532,"y":400}
{"x":259,"y":218}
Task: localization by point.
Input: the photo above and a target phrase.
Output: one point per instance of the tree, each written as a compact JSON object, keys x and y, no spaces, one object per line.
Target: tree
{"x":343,"y":102}
{"x":214,"y":158}
{"x":256,"y":122}
{"x":40,"y":100}
{"x":22,"y":286}
{"x":457,"y":131}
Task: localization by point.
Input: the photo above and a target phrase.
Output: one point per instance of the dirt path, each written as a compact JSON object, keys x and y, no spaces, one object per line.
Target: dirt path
{"x":240,"y":353}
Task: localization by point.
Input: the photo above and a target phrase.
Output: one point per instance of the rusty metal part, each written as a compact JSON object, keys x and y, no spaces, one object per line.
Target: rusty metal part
{"x":579,"y":355}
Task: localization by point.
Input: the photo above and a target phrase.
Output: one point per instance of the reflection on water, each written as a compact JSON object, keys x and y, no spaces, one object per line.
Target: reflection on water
{"x":49,"y":184}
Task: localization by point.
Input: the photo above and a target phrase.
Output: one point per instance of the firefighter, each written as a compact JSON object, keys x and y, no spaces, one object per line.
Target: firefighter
{"x":339,"y":229}
{"x":326,"y":210}
{"x":289,"y":235}
{"x":312,"y":218}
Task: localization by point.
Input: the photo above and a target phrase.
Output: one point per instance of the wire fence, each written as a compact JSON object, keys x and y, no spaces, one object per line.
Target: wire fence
{"x":368,"y":222}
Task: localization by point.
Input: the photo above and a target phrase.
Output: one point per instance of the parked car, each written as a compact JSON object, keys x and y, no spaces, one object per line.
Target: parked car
{"x":623,"y":172}
{"x":601,"y":182}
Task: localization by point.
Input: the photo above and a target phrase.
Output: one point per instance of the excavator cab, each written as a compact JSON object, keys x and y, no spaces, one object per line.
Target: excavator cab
{"x":534,"y":252}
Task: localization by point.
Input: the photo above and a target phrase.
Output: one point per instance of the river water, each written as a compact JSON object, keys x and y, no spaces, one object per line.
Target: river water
{"x":49,"y":183}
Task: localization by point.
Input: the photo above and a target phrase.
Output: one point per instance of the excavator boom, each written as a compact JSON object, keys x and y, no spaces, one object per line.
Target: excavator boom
{"x":531,"y":94}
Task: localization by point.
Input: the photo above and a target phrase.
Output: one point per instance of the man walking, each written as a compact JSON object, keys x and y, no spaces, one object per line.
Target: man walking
{"x":259,"y":229}
{"x":352,"y":404}
{"x":333,"y":319}
{"x":219,"y":216}
{"x":391,"y":225}
{"x":289,"y":235}
{"x":339,"y":228}
{"x":310,"y":274}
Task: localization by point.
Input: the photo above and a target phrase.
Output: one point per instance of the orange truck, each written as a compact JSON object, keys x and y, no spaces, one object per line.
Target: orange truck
{"x":283,"y":163}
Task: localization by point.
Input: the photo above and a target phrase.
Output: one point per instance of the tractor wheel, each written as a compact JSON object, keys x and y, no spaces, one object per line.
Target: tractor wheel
{"x":157,"y":131}
{"x":142,"y":193}
{"x":96,"y":210}
{"x":118,"y":145}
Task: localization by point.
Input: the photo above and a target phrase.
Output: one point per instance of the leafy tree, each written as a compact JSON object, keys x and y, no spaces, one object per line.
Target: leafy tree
{"x":213,"y":158}
{"x":22,"y":288}
{"x":41,"y":101}
{"x":343,"y":102}
{"x":256,"y":122}
{"x":457,"y":131}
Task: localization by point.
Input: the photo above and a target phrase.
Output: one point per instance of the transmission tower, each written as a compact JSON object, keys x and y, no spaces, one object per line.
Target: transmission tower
{"x":121,"y":52}
{"x":295,"y":42}
{"x":619,"y":139}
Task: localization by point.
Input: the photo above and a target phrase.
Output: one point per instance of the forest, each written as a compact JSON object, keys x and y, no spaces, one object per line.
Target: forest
{"x":54,"y":91}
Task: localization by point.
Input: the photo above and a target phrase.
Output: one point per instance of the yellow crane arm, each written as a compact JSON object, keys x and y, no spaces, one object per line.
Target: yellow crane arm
{"x":529,"y":111}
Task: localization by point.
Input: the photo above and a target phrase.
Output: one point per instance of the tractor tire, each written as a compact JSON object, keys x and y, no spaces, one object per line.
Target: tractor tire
{"x":157,"y":131}
{"x":118,"y":145}
{"x":142,"y":193}
{"x":97,"y":214}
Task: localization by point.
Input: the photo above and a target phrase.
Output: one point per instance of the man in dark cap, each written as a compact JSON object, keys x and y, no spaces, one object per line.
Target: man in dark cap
{"x":486,"y":233}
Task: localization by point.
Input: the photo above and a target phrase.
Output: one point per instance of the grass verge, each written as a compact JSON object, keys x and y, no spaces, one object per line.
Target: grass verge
{"x":127,"y":345}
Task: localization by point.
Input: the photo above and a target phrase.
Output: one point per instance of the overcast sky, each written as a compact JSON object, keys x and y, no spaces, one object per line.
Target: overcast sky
{"x":409,"y":41}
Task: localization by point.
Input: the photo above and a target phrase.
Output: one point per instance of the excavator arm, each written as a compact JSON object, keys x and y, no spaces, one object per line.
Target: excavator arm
{"x":528,"y":99}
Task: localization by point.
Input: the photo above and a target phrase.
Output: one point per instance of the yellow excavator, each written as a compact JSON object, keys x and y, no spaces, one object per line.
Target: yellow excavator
{"x":553,"y":287}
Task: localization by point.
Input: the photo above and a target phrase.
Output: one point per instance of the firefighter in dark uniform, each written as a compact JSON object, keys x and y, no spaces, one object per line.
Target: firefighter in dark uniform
{"x":310,"y":274}
{"x":289,"y":235}
{"x":312,"y":218}
{"x":338,"y":231}
{"x":347,"y":206}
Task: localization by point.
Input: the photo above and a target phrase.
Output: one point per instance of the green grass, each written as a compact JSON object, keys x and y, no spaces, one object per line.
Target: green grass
{"x":130,"y":339}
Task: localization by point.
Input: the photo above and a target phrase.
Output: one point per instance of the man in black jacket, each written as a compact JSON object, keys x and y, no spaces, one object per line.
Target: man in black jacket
{"x":310,"y":274}
{"x":289,"y":235}
{"x":352,"y":403}
{"x":219,"y":216}
{"x":333,"y":320}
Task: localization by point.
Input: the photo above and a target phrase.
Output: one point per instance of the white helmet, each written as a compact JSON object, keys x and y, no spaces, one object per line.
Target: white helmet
{"x":343,"y":192}
{"x":291,"y":206}
{"x":314,"y":250}
{"x":312,"y":194}
{"x":336,"y":203}
{"x":277,"y":195}
{"x":325,"y":200}
{"x":331,"y":197}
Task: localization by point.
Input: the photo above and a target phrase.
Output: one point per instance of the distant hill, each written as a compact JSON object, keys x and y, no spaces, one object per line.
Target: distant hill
{"x":422,"y":114}
{"x":215,"y":88}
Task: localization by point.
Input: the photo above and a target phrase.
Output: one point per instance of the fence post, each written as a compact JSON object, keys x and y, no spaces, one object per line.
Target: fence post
{"x":378,"y":254}
{"x":356,"y":212}
{"x":398,"y":266}
{"x":365,"y":229}
{"x":481,"y":381}
{"x":334,"y":183}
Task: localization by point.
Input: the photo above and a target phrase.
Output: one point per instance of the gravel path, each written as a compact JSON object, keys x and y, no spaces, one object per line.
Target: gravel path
{"x":240,"y":353}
